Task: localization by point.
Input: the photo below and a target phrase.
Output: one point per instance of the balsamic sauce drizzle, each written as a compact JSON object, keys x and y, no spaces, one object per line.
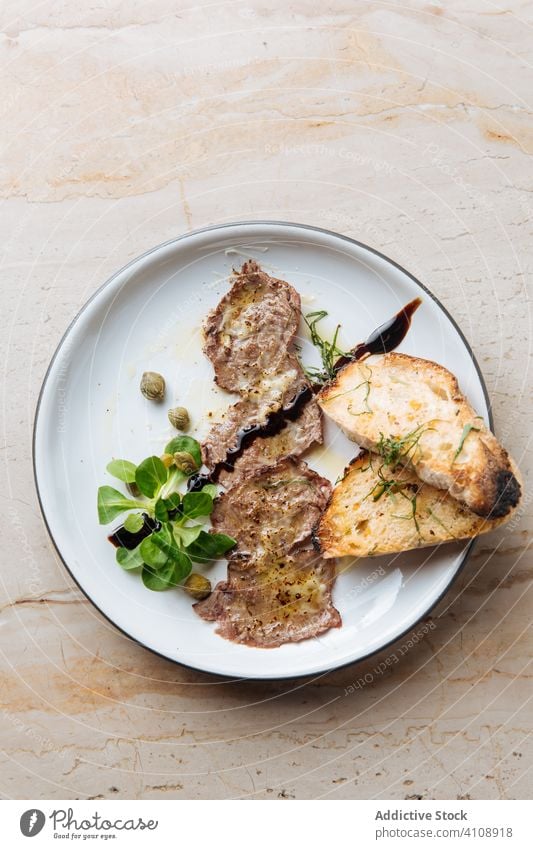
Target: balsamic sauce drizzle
{"x":385,"y":338}
{"x":275,"y":422}
{"x":126,"y":539}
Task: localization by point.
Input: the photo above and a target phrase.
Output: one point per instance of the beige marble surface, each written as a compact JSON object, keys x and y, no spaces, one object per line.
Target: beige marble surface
{"x":407,"y":126}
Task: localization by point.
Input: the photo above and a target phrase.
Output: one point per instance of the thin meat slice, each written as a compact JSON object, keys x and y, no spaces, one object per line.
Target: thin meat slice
{"x":247,"y":336}
{"x":270,"y":601}
{"x":272,"y":511}
{"x":264,"y":427}
{"x":225,"y":435}
{"x":292,"y":440}
{"x":254,"y":409}
{"x":248,"y":339}
{"x":278,"y":589}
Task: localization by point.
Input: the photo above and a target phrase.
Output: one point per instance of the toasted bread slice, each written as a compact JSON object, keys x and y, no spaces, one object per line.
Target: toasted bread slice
{"x":412,"y":412}
{"x":379,"y":510}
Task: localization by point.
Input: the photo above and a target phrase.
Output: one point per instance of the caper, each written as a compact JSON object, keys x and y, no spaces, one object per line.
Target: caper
{"x":198,"y":586}
{"x":185,"y":462}
{"x":179,"y":418}
{"x":153,"y":386}
{"x":167,"y":460}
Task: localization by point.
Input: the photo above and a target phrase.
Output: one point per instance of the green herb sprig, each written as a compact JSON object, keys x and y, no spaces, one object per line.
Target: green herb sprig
{"x":385,"y":486}
{"x":368,"y":386}
{"x":466,"y":430}
{"x":441,"y":523}
{"x":329,"y":351}
{"x":394,"y":449}
{"x":412,"y":516}
{"x":390,"y":487}
{"x":164,"y":557}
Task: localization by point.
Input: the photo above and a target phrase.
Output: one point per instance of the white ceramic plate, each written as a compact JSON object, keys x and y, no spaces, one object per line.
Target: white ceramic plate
{"x":148,"y":316}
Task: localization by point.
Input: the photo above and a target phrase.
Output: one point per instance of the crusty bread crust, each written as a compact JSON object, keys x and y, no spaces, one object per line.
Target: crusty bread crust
{"x":366,"y":518}
{"x":418,"y":402}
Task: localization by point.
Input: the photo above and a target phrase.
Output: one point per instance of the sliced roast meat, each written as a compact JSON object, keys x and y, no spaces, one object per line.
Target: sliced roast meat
{"x":273,"y":510}
{"x":293,"y":439}
{"x":247,"y":336}
{"x":278,"y":589}
{"x":270,"y":601}
{"x":281,"y":418}
{"x":248,"y":339}
{"x":253,"y":410}
{"x":225,"y":436}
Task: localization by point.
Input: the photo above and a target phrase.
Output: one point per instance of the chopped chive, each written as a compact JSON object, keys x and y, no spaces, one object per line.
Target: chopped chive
{"x":329,"y":351}
{"x":466,"y":430}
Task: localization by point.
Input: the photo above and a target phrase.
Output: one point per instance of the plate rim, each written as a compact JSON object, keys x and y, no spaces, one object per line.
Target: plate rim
{"x":207,"y":229}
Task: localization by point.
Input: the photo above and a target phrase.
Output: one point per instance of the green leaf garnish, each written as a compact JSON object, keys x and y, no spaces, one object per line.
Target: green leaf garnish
{"x":160,"y":547}
{"x":210,"y":546}
{"x":197,"y":504}
{"x":164,"y":507}
{"x":182,"y":566}
{"x":123,"y":470}
{"x":394,"y":451}
{"x":173,"y":501}
{"x":111,"y":503}
{"x":163,"y":579}
{"x":166,"y":565}
{"x":466,"y":430}
{"x":175,"y":477}
{"x":129,"y":558}
{"x":150,"y":476}
{"x":163,"y":556}
{"x":185,"y":535}
{"x":161,"y":510}
{"x":188,"y":444}
{"x":133,"y":523}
